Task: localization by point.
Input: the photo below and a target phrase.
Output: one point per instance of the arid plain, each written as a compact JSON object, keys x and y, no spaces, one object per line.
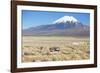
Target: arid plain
{"x":54,"y":48}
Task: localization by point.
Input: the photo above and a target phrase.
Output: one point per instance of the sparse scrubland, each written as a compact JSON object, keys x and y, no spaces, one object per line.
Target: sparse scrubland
{"x":54,"y":48}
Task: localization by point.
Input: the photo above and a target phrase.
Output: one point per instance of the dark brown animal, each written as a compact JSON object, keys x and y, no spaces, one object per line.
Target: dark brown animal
{"x":54,"y":49}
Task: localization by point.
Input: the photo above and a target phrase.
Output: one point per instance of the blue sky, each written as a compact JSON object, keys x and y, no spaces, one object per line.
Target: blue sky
{"x":35,"y":18}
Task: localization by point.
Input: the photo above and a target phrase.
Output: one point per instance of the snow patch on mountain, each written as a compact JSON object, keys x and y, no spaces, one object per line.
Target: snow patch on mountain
{"x":65,"y":19}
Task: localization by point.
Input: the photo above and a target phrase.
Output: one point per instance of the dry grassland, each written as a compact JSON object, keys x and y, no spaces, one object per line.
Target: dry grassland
{"x":45,"y":48}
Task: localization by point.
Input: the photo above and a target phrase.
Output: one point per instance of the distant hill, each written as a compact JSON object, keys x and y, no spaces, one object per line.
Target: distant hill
{"x":64,"y":26}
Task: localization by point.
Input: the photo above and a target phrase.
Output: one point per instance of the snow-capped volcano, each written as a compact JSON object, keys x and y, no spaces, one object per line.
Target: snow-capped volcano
{"x":64,"y":26}
{"x":65,"y":19}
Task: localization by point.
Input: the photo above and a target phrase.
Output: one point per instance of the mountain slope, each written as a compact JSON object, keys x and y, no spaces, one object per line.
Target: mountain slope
{"x":64,"y":26}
